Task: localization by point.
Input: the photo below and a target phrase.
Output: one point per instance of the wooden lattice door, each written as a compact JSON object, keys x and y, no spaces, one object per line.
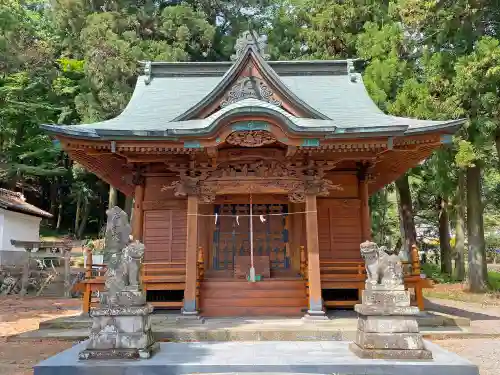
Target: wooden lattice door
{"x":232,"y":235}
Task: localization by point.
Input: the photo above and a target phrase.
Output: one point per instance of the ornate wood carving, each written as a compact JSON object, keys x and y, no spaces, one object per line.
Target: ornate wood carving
{"x":258,"y":176}
{"x":250,"y":87}
{"x":252,"y":138}
{"x":291,"y":151}
{"x":259,"y":168}
{"x":250,"y":154}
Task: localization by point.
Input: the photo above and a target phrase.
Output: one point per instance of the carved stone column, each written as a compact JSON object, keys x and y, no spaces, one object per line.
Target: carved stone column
{"x":313,"y":266}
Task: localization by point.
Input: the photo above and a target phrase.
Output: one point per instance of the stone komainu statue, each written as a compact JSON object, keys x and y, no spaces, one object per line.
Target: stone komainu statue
{"x":124,"y":257}
{"x":381,"y":268}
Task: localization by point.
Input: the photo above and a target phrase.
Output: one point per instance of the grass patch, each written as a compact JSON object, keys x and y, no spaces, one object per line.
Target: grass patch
{"x":448,"y":287}
{"x":494,"y":281}
{"x":433,"y":271}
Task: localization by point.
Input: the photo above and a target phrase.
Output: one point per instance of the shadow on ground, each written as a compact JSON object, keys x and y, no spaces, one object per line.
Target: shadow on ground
{"x":451,"y":310}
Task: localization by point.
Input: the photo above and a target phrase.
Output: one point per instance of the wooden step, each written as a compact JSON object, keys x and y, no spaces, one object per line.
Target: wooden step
{"x":258,"y":293}
{"x":260,"y":285}
{"x":252,"y":311}
{"x":264,"y":298}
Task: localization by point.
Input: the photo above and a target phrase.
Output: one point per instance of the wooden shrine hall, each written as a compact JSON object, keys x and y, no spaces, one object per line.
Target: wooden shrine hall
{"x":256,"y":163}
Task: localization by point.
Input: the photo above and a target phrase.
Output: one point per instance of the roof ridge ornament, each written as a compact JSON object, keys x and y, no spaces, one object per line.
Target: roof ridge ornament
{"x":250,"y":39}
{"x":351,"y":71}
{"x":147,"y":72}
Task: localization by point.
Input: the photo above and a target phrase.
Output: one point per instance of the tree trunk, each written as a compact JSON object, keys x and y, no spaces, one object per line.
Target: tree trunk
{"x":444,"y":237}
{"x":475,"y":230}
{"x":78,"y":213}
{"x":128,"y":205}
{"x":497,"y":144}
{"x":59,"y":214}
{"x":113,"y":197}
{"x":53,"y":188}
{"x":406,"y":213}
{"x":460,"y":228}
{"x":83,"y":221}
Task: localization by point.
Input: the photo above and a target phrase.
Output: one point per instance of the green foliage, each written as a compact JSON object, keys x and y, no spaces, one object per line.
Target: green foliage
{"x":433,"y":271}
{"x":494,"y":280}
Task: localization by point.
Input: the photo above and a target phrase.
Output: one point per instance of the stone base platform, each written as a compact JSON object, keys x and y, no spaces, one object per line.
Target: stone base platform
{"x":342,"y":326}
{"x":312,"y":357}
{"x":145,"y":353}
{"x":411,"y":354}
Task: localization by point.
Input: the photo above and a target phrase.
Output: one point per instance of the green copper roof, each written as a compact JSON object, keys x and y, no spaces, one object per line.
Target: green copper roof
{"x":334,"y":98}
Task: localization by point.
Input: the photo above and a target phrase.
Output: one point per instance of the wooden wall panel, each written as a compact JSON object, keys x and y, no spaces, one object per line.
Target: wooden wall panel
{"x":348,"y":183}
{"x":153,"y":188}
{"x":339,"y":228}
{"x":165,"y":235}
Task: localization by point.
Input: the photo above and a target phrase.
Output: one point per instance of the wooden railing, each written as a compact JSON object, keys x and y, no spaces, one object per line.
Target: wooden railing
{"x":46,"y":250}
{"x":154,"y":275}
{"x":351,"y":274}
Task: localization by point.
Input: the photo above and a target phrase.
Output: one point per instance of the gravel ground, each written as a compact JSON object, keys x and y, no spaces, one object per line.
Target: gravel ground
{"x":20,"y":315}
{"x":485,"y":353}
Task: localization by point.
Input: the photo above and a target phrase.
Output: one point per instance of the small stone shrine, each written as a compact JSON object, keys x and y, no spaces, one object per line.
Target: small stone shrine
{"x":387,"y":324}
{"x":121,"y":326}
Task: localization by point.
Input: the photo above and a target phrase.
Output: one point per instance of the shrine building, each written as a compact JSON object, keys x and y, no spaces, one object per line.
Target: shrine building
{"x":256,"y":163}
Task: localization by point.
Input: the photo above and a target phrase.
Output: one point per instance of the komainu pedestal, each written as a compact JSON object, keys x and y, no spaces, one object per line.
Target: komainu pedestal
{"x":387,"y":324}
{"x":121,"y":327}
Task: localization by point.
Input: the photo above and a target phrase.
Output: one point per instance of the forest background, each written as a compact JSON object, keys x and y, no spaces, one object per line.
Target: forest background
{"x":76,"y":61}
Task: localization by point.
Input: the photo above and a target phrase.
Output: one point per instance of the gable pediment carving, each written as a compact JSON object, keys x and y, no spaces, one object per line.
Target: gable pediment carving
{"x":250,"y":87}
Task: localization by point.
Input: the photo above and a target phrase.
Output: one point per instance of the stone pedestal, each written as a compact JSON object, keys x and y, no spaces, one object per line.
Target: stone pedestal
{"x":387,"y":325}
{"x":121,"y":329}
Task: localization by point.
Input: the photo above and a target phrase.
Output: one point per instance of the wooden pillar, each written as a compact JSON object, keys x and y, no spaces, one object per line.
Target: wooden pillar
{"x":26,"y":273}
{"x":366,"y":225}
{"x":190,"y":307}
{"x":313,"y":266}
{"x":87,"y":294}
{"x":138,"y":214}
{"x":67,"y":272}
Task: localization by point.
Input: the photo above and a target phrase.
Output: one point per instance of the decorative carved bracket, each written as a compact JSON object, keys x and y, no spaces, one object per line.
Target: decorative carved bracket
{"x":295,"y":179}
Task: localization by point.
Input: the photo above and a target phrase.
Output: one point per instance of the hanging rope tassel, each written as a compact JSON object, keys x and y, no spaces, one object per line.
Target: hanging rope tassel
{"x":262,"y":219}
{"x":238,"y":220}
{"x":216,"y":217}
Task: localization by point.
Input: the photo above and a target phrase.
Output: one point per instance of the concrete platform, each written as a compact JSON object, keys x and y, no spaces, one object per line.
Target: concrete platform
{"x":317,"y":357}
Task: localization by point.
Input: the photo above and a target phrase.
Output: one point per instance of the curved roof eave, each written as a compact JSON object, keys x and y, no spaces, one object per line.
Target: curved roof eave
{"x":329,"y":129}
{"x":233,"y":72}
{"x":448,"y":126}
